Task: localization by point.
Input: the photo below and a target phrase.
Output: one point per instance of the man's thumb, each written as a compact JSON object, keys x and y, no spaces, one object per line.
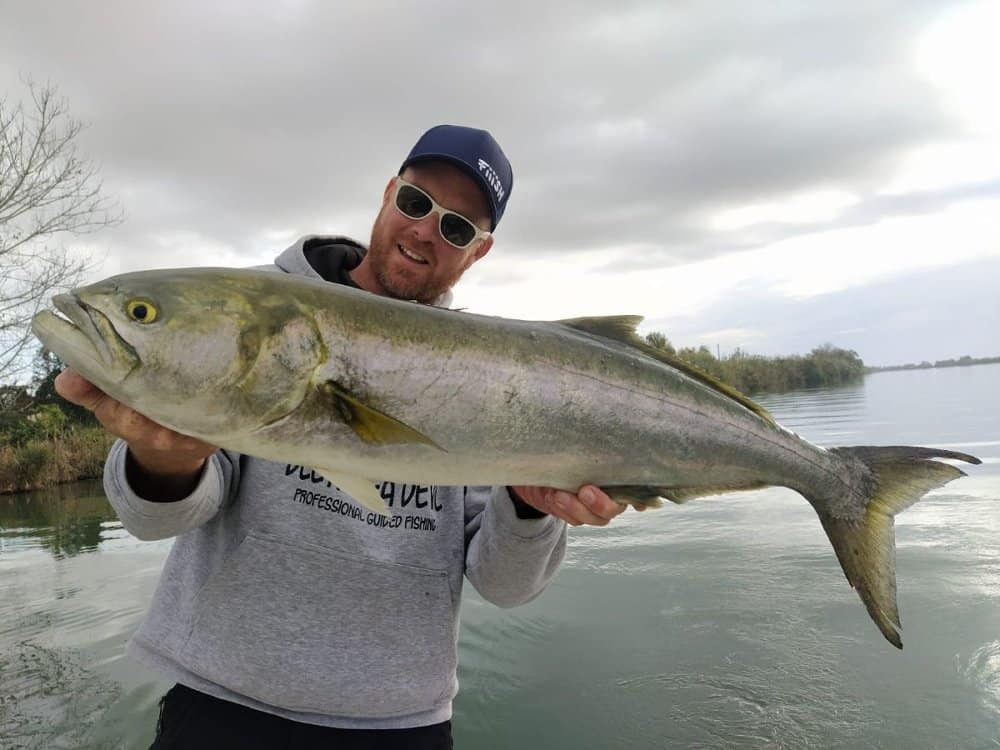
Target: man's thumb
{"x":76,"y":389}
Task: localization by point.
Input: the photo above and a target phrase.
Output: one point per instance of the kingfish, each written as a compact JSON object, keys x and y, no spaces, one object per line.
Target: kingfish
{"x":364,"y":388}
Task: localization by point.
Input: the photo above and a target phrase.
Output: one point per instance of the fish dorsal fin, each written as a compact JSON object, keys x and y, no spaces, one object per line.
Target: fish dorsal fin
{"x":614,"y":327}
{"x":622,"y":328}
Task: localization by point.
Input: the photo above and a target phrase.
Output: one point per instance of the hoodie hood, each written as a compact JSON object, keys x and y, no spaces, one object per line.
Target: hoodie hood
{"x":331,"y":258}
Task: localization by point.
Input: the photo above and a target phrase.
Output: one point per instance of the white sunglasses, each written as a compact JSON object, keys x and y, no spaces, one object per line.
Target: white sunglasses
{"x":455,"y":229}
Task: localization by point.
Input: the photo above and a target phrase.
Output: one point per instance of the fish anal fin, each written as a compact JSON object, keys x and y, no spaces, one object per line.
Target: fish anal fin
{"x":369,"y":424}
{"x":651,"y":496}
{"x":681,"y":495}
{"x":636,"y":495}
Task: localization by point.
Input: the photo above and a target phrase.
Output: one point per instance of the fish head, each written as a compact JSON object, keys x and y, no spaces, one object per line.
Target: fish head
{"x":208,"y":352}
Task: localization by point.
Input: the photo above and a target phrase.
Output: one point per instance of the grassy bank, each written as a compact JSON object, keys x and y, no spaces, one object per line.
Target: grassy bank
{"x":70,"y":455}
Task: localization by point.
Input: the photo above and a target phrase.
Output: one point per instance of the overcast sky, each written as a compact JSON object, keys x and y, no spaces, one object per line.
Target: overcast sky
{"x":770,"y":176}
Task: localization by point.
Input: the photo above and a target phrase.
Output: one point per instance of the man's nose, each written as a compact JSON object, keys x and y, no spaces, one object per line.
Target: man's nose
{"x":426,"y":229}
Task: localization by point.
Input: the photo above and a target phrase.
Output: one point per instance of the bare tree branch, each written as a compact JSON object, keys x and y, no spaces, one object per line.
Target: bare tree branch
{"x":47,"y":192}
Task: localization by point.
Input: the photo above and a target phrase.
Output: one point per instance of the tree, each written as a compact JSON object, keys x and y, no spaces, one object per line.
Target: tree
{"x":15,"y":401}
{"x":15,"y":405}
{"x":47,"y":191}
{"x":659,"y":341}
{"x":46,"y":367}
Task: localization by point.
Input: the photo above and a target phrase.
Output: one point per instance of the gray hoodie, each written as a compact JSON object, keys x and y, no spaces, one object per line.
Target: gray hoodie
{"x":284,"y":594}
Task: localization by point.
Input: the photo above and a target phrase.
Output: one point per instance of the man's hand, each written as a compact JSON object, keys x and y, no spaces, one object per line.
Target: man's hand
{"x":169,"y":464}
{"x":590,"y":506}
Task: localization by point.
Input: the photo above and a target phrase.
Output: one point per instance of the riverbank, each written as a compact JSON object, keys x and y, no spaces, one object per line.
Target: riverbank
{"x":75,"y":454}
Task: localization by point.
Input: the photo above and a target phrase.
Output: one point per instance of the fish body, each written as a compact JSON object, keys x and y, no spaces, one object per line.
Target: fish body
{"x":366,"y":388}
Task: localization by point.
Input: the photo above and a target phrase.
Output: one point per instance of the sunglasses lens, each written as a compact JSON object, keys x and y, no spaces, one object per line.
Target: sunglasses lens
{"x":457,"y":230}
{"x":412,"y":202}
{"x":416,"y":204}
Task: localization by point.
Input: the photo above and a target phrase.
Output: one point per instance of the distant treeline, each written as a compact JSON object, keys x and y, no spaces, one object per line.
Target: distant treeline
{"x":752,"y":374}
{"x":960,"y":362}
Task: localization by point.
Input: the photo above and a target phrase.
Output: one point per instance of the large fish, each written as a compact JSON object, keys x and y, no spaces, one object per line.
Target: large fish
{"x":366,"y":388}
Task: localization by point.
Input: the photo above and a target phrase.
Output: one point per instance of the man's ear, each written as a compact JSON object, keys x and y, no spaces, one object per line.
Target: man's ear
{"x":388,"y":189}
{"x":483,"y":249}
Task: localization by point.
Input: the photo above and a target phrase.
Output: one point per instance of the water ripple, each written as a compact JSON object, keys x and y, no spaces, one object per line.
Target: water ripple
{"x":983,"y":670}
{"x":48,"y":700}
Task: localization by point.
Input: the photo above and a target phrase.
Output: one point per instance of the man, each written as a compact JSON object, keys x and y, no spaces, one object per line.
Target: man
{"x":286,"y":616}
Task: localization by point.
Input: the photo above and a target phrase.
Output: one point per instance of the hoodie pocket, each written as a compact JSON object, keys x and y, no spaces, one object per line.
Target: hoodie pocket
{"x":310,"y":629}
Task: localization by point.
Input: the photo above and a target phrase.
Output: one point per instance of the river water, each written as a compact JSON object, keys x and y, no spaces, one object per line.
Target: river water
{"x":725,"y":623}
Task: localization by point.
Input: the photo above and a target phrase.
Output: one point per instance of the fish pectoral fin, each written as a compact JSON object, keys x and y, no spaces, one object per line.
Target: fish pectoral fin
{"x":648,"y":496}
{"x":361,"y":489}
{"x":369,"y":424}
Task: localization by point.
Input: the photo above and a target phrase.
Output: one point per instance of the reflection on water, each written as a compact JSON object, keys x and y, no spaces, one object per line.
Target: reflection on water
{"x":66,"y":520}
{"x":724,"y":623}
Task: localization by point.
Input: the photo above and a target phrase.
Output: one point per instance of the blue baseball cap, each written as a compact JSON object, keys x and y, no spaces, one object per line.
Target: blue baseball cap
{"x":476,"y":153}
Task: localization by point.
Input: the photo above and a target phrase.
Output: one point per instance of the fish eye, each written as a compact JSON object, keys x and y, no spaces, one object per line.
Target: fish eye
{"x":141,"y":311}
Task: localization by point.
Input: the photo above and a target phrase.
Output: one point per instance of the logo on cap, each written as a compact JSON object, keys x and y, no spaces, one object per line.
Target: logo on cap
{"x":492,"y":178}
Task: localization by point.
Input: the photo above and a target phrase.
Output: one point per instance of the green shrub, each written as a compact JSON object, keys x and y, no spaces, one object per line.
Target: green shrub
{"x":30,"y":462}
{"x":48,"y":419}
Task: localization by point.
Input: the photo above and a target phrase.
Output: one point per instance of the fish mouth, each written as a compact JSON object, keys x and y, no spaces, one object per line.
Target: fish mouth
{"x":85,"y":339}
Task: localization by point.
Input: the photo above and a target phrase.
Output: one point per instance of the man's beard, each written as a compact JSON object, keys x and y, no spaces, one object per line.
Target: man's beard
{"x":400,"y":285}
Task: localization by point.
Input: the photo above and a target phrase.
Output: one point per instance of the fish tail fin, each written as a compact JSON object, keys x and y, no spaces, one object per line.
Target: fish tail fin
{"x":894,"y":478}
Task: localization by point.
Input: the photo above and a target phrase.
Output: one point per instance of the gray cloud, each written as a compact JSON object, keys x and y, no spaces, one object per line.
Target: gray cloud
{"x":954,"y":310}
{"x":870,"y":211}
{"x":628,"y":125}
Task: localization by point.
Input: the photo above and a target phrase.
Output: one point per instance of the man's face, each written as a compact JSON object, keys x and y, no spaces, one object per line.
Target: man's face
{"x":409,"y":259}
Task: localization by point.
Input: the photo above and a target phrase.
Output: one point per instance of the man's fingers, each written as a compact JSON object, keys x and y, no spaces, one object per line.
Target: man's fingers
{"x":599,"y":503}
{"x":76,"y":389}
{"x":124,"y":422}
{"x":572,"y":509}
{"x":114,"y":415}
{"x":118,"y":418}
{"x":590,"y":506}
